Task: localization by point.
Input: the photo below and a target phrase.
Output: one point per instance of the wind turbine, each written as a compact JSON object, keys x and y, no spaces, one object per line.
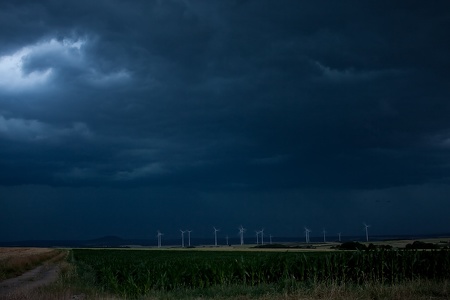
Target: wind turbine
{"x":324,"y":239}
{"x":227,"y":240}
{"x":257,"y":237}
{"x":262,"y":236}
{"x":159,"y":238}
{"x":367,"y":232}
{"x":307,"y":231}
{"x":339,"y":235}
{"x":215,"y":236}
{"x":241,"y":233}
{"x":306,"y":235}
{"x":189,"y":236}
{"x":182,"y":238}
{"x":270,"y":238}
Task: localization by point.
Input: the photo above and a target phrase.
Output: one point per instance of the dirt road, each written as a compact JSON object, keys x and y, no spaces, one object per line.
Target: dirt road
{"x":22,"y":287}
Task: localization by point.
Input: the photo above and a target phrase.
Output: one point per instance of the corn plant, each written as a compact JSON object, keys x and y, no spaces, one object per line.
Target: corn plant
{"x":132,"y":273}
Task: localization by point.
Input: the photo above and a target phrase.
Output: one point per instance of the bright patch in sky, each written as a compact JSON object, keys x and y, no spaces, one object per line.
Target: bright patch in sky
{"x":33,"y":66}
{"x":13,"y":74}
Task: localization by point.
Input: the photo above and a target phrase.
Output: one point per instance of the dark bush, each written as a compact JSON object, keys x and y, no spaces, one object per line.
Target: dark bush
{"x":352,"y":246}
{"x":421,"y":245}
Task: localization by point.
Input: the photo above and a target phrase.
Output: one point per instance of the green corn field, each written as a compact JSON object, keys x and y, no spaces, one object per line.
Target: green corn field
{"x":132,"y":273}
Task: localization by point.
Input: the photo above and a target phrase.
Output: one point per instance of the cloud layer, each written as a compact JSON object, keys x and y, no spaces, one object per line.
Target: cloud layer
{"x":225,"y":97}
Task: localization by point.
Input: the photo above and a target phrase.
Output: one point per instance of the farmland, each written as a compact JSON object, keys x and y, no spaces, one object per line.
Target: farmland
{"x":137,"y":273}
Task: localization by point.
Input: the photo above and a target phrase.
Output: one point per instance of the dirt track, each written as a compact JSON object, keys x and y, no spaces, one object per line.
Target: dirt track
{"x":21,"y":287}
{"x":24,"y":284}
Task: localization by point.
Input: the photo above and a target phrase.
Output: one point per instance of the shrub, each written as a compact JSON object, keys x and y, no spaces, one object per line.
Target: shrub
{"x":352,"y":246}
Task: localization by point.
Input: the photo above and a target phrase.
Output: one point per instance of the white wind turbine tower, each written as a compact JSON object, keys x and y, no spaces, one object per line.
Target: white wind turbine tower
{"x":182,"y":238}
{"x":367,"y":231}
{"x":241,"y":233}
{"x":262,"y":236}
{"x":227,"y":240}
{"x":189,"y":237}
{"x":324,"y":238}
{"x":257,"y":237}
{"x":270,"y":239}
{"x":307,"y":231}
{"x":215,"y":236}
{"x":159,"y":238}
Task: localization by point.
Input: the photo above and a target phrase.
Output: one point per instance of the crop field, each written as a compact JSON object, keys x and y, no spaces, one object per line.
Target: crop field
{"x":133,"y":273}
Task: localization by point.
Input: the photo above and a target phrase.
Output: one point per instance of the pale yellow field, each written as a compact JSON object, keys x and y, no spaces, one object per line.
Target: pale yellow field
{"x":8,"y":253}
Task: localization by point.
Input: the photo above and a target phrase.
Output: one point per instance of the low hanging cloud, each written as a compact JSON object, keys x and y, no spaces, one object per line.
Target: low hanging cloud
{"x":350,"y":75}
{"x":36,"y":131}
{"x":152,"y":169}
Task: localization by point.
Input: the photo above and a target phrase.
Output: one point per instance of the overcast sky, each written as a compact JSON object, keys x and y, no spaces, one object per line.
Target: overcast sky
{"x":125,"y":117}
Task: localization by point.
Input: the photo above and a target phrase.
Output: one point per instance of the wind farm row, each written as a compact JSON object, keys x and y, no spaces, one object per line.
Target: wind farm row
{"x":258,"y":233}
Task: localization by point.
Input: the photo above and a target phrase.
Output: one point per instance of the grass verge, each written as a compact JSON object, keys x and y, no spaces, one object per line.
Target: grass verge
{"x":69,"y":286}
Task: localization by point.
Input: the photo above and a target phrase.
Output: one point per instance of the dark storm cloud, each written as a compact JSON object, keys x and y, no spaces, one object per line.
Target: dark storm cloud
{"x":220,"y":97}
{"x":182,"y":83}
